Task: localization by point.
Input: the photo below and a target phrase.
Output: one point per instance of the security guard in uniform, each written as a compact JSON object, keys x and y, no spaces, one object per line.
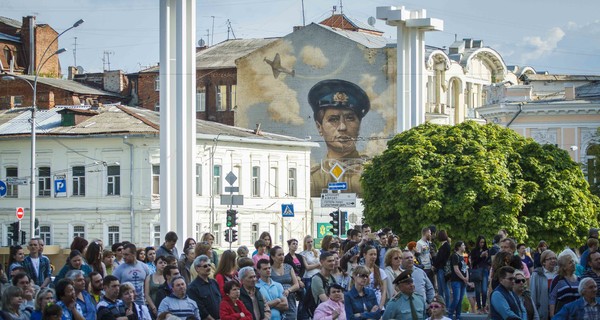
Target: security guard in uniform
{"x":338,"y":107}
{"x":406,"y":305}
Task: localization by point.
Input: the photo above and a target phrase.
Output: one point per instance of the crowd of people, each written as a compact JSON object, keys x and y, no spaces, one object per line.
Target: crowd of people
{"x":368,"y":275}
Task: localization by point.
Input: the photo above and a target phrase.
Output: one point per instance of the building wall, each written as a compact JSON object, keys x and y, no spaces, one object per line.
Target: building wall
{"x":148,"y":96}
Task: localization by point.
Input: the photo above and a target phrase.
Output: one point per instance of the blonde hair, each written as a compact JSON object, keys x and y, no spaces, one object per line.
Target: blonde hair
{"x":313,"y":250}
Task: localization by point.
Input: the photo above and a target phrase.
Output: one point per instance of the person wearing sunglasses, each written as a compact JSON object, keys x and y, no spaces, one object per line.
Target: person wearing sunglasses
{"x":520,"y":289}
{"x":437,"y":309}
{"x":360,"y":301}
{"x":504,"y":302}
{"x":204,"y":290}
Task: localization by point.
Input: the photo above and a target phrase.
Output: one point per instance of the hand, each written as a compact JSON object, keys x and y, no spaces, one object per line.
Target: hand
{"x":375,"y":308}
{"x":484,"y":254}
{"x":335,"y":314}
{"x":471,"y":284}
{"x":242,"y":315}
{"x":128,"y":312}
{"x":286,"y":292}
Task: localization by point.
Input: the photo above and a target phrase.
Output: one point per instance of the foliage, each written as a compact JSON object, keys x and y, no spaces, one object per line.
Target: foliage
{"x":473,"y":179}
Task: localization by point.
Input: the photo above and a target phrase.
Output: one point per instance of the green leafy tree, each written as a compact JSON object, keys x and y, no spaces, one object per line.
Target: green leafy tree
{"x":473,"y":179}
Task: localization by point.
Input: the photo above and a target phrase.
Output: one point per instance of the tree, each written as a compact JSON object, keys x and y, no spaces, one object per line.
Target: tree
{"x":473,"y":179}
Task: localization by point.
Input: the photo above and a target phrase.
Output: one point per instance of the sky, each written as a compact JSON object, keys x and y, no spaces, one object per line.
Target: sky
{"x":549,"y":35}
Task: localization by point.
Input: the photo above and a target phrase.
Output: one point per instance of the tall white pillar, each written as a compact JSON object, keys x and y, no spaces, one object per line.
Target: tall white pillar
{"x":177,"y":116}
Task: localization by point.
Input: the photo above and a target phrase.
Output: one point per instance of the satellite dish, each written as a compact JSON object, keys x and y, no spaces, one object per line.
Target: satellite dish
{"x":201,"y":43}
{"x":79,"y":70}
{"x":371,"y":21}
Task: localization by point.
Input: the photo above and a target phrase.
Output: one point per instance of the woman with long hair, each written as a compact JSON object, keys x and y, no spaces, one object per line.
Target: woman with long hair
{"x":11,"y":303}
{"x":539,"y":281}
{"x":480,"y":263}
{"x":150,"y":258}
{"x":74,"y":262}
{"x":185,"y":265}
{"x":93,"y":256}
{"x":127,"y":295}
{"x":459,"y":279}
{"x":153,"y":282}
{"x":226,"y":270}
{"x":140,"y":254}
{"x":16,"y":256}
{"x":439,"y":263}
{"x":325,"y":242}
{"x":565,"y":286}
{"x":377,"y":277}
{"x":189,"y":243}
{"x":312,"y":265}
{"x":349,"y":260}
{"x":79,"y":244}
{"x":284,"y":274}
{"x":360,"y":301}
{"x":210,"y":239}
{"x":43,"y":298}
{"x":392,"y":262}
{"x":393,"y":241}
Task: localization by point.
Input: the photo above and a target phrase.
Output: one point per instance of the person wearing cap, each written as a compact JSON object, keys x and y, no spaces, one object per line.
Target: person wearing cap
{"x":338,"y":108}
{"x":407,"y":304}
{"x":437,"y":309}
{"x":333,"y":308}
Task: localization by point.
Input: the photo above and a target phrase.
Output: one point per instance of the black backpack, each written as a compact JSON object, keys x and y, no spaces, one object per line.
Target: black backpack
{"x":310,"y":305}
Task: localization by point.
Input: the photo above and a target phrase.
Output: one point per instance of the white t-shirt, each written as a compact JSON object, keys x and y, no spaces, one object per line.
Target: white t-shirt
{"x":371,"y":285}
{"x":310,"y":258}
{"x":36,"y":264}
{"x":425,"y":257}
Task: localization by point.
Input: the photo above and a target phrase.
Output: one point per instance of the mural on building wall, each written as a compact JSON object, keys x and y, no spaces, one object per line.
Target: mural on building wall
{"x":318,"y":85}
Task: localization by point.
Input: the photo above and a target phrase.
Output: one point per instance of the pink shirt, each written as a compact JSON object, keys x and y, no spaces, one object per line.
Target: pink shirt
{"x":325,"y":310}
{"x":258,"y":257}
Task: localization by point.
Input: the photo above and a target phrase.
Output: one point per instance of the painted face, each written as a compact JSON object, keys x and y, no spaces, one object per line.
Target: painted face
{"x":339,"y":129}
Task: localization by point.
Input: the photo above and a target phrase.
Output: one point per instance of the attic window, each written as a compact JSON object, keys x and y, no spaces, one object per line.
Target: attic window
{"x":67,"y":120}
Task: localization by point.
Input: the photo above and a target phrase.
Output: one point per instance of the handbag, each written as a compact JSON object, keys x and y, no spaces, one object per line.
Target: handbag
{"x":448,"y":269}
{"x":476,"y":275}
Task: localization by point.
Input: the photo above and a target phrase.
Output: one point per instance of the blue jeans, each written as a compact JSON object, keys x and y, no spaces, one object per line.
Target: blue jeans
{"x":443,"y":289}
{"x":459,"y":289}
{"x":481,"y":289}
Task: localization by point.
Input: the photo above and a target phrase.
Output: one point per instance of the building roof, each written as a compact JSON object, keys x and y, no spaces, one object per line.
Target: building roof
{"x":70,"y":85}
{"x":11,"y":22}
{"x":368,"y":40}
{"x":6,"y":37}
{"x":339,"y":21}
{"x":558,"y":77}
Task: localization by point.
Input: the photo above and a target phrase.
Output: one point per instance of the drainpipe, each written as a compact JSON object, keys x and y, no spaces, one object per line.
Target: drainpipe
{"x":131,"y":215}
{"x":516,"y":115}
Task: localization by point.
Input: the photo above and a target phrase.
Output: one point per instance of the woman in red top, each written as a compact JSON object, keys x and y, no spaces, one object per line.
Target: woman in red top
{"x":232,"y":307}
{"x":227,"y":269}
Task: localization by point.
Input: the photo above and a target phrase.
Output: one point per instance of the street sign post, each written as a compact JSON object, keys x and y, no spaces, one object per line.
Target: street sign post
{"x":3,"y":189}
{"x":287,"y":210}
{"x":336,"y":200}
{"x":338,"y":186}
{"x":16,"y":181}
{"x":20,"y":213}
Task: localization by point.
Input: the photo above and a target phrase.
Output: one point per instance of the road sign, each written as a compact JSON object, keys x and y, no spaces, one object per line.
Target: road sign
{"x":231,"y":178}
{"x":336,"y":200}
{"x":232,"y":189}
{"x":232,"y":200}
{"x":20,"y":213}
{"x":337,"y":186}
{"x":2,"y":189}
{"x":287,"y":210}
{"x":16,"y":181}
{"x":60,"y":187}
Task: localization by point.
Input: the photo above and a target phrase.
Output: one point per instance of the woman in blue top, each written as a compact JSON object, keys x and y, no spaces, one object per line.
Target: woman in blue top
{"x":360,"y":302}
{"x":74,"y":262}
{"x":44,"y":297}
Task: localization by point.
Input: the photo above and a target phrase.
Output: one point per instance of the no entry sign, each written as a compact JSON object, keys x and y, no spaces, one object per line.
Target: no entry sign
{"x":20,"y":213}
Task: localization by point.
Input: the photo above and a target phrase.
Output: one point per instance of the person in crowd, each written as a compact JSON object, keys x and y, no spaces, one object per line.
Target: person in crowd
{"x":232,"y":308}
{"x":185,"y":264}
{"x":141,"y":254}
{"x":586,"y":307}
{"x":251,"y":296}
{"x":67,"y":300}
{"x":564,"y":287}
{"x":592,"y":244}
{"x":93,"y":257}
{"x":500,"y":260}
{"x":23,"y":281}
{"x":594,"y":268}
{"x":108,"y":258}
{"x":312,"y":265}
{"x":44,"y":298}
{"x":325,"y":242}
{"x":209,"y":239}
{"x":407,"y":301}
{"x":16,"y":257}
{"x":540,"y":281}
{"x":383,"y":242}
{"x":412,"y":247}
{"x":437,"y":309}
{"x":392,"y":262}
{"x":96,"y":287}
{"x":178,"y":303}
{"x":522,"y":252}
{"x":188,"y":243}
{"x":520,"y":290}
{"x":273,"y":293}
{"x":339,"y":274}
{"x":298,"y":263}
{"x":153,"y":282}
{"x":79,"y":243}
{"x":151,"y":259}
{"x":110,"y":307}
{"x":378,"y":277}
{"x":319,"y":283}
{"x":12,"y":298}
{"x":205,"y":248}
{"x":86,"y":302}
{"x":334,"y":308}
{"x":424,"y":250}
{"x":242,"y":252}
{"x":509,"y":245}
{"x":439,"y":263}
{"x":37,"y":266}
{"x":421,"y":282}
{"x":165,"y":289}
{"x":133,"y":271}
{"x":393,"y":241}
{"x":480,"y":263}
{"x":350,"y":257}
{"x":504,"y":302}
{"x":592,"y":233}
{"x":226,"y":270}
{"x":541,"y":247}
{"x":168,"y":247}
{"x":117,"y":249}
{"x":74,"y":262}
{"x":267,"y":239}
{"x":261,"y":252}
{"x":284,"y":274}
{"x":52,"y":312}
{"x":459,"y":279}
{"x":245,"y":262}
{"x":127,"y":295}
{"x":204,"y":290}
{"x":360,"y":301}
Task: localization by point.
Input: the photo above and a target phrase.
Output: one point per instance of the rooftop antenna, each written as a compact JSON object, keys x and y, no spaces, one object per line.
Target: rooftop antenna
{"x":212,"y":39}
{"x":230,"y":28}
{"x":341,"y":7}
{"x":334,"y":10}
{"x":106,"y":59}
{"x":207,"y":37}
{"x":75,"y":52}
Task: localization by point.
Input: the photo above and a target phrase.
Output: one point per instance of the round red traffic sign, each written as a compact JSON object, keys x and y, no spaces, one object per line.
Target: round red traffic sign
{"x":20,"y":213}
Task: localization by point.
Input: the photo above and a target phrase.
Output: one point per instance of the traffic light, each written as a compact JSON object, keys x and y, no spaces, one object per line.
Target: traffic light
{"x":234,"y":235}
{"x":227,"y":235}
{"x":335,"y":223}
{"x":343,"y":218}
{"x":231,"y":218}
{"x":14,"y":228}
{"x":23,"y":234}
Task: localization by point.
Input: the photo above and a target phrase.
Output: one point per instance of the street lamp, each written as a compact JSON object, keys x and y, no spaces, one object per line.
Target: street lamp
{"x":43,"y":61}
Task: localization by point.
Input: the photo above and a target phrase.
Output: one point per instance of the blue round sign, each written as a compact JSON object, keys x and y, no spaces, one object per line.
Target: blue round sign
{"x":2,"y":189}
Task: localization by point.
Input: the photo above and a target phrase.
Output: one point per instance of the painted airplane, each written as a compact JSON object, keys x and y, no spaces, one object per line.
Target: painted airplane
{"x":277,"y":68}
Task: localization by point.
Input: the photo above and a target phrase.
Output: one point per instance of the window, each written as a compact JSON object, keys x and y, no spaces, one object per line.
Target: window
{"x":79,"y":231}
{"x":12,"y":189}
{"x":18,"y":101}
{"x":199,"y":180}
{"x":232,"y":95}
{"x":157,"y":83}
{"x":44,"y":185}
{"x":113,"y":181}
{"x":155,"y":179}
{"x":79,"y":181}
{"x":46,"y":234}
{"x":200,"y":101}
{"x":292,"y":183}
{"x":221,"y":98}
{"x":157,"y":107}
{"x":216,"y":180}
{"x":198,"y":231}
{"x":274,"y":184}
{"x":156,"y":236}
{"x":256,"y":181}
{"x":113,"y":235}
{"x":217,"y":230}
{"x":254,"y":234}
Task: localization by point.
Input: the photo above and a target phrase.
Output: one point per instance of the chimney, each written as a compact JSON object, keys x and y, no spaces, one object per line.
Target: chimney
{"x":28,"y":29}
{"x":72,"y":72}
{"x":569,"y":92}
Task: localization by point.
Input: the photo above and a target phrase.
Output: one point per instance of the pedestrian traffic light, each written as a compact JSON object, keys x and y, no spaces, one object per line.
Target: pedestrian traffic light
{"x":227,"y":235}
{"x":23,"y":237}
{"x":343,"y":219}
{"x":335,"y":223}
{"x":231,"y":218}
{"x":14,"y":228}
{"x":234,"y":235}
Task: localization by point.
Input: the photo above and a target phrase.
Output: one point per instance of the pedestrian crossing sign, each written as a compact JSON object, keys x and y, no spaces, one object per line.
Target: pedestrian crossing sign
{"x":287,"y":210}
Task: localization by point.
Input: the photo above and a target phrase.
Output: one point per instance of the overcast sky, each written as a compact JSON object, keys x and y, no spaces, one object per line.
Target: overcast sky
{"x":557,"y":36}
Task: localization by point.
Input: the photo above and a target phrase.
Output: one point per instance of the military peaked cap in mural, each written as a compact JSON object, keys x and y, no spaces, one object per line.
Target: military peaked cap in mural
{"x":341,"y":94}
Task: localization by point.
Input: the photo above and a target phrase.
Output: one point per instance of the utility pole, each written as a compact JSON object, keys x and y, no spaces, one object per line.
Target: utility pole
{"x":106,"y":60}
{"x":230,"y":28}
{"x":212,"y":39}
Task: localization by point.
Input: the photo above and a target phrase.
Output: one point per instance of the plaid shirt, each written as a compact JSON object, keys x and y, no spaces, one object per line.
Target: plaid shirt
{"x":44,"y":269}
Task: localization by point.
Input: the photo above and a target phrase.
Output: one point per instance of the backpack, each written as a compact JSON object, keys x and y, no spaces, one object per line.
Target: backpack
{"x":448,"y":268}
{"x":310,"y":305}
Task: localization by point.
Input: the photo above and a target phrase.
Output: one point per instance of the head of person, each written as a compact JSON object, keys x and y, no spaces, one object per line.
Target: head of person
{"x":202,"y":266}
{"x":232,"y":289}
{"x":566,"y":265}
{"x":170,"y":272}
{"x":190,"y":253}
{"x":172,"y":261}
{"x":481,"y":243}
{"x":227,"y":262}
{"x":243,"y":251}
{"x":41,"y":244}
{"x":503,"y":234}
{"x":594,"y":260}
{"x":189,"y":243}
{"x":404,"y":282}
{"x":108,"y":257}
{"x":520,"y":282}
{"x":292,"y":245}
{"x":33,"y":246}
{"x":75,"y":259}
{"x":52,"y":312}
{"x":111,"y":287}
{"x":15,"y":269}
{"x":354,"y":235}
{"x":366,"y":231}
{"x":338,"y":108}
{"x":508,"y":245}
{"x":459,"y":246}
{"x":79,"y":244}
{"x":179,"y":286}
{"x":247,"y":276}
{"x":327,"y":261}
{"x":308,"y":242}
{"x":244,"y":262}
{"x":203,"y":248}
{"x":276,"y":255}
{"x":426,"y":233}
{"x":369,"y":253}
{"x":383,"y":238}
{"x":393,"y":241}
{"x":360,"y":276}
{"x":264,"y":268}
{"x":408,"y":260}
{"x":334,"y":247}
{"x":78,"y":278}
{"x":260,"y":246}
{"x":161,"y":263}
{"x":335,"y":292}
{"x":95,"y":281}
{"x":117,"y":249}
{"x":140,"y":254}
{"x":542,"y":246}
{"x":506,"y":277}
{"x":393,"y":258}
{"x":170,"y":240}
{"x":93,"y":254}
{"x":43,"y":298}
{"x":127,"y":292}
{"x":437,"y":307}
{"x":12,"y":298}
{"x":16,"y":254}
{"x":587,"y":289}
{"x":208,"y":237}
{"x":521,"y":249}
{"x":412,"y":246}
{"x":65,"y":291}
{"x":325,"y":242}
{"x":266,"y":237}
{"x":150,"y":254}
{"x":129,"y":253}
{"x":21,"y":280}
{"x":592,"y":244}
{"x":548,"y":260}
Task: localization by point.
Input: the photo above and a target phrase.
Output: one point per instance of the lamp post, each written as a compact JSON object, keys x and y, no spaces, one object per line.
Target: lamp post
{"x":32,"y":196}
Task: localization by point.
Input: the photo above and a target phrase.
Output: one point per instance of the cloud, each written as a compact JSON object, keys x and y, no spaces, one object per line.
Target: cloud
{"x":314,"y":57}
{"x":536,"y":47}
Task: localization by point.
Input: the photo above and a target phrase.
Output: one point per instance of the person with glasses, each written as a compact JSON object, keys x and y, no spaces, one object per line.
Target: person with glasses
{"x":520,"y":289}
{"x":504,"y":302}
{"x":540,"y":280}
{"x":204,"y":290}
{"x":360,"y":301}
{"x":117,"y":249}
{"x":586,"y":307}
{"x":437,"y":309}
{"x":407,"y":304}
{"x":392,"y":262}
